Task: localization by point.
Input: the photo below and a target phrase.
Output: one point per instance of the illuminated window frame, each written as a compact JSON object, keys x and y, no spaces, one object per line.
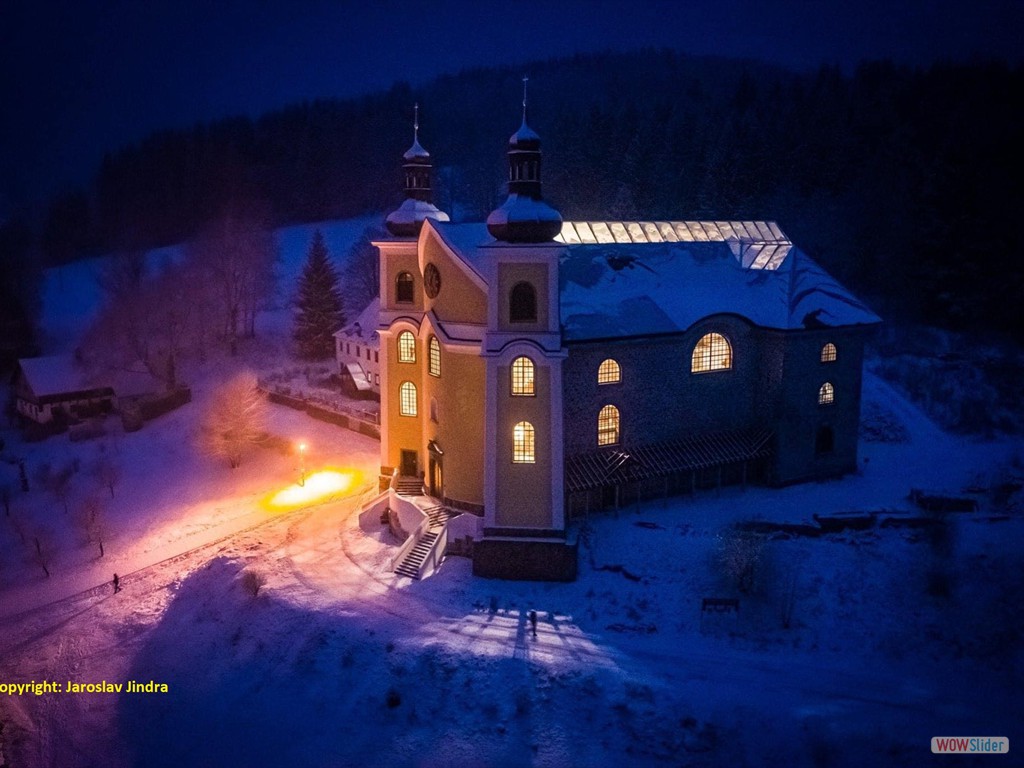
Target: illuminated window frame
{"x":829,"y":353}
{"x":434,"y":366}
{"x":523,"y":377}
{"x":524,"y":441}
{"x":406,"y":347}
{"x":407,"y":399}
{"x":713,"y":352}
{"x":827,"y":394}
{"x":609,"y":372}
{"x":404,"y":288}
{"x":608,"y":421}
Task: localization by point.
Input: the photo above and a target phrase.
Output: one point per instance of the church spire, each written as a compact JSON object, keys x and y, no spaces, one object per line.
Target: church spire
{"x":408,"y":218}
{"x":524,"y":217}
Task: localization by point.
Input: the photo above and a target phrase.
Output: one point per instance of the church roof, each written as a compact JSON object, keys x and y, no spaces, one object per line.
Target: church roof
{"x":620,"y":279}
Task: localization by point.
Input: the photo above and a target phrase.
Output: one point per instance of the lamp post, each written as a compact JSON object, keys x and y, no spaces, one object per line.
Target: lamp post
{"x":302,"y":464}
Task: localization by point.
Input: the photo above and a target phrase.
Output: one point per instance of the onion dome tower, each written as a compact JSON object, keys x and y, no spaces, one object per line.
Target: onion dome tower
{"x":524,"y":217}
{"x":408,"y":218}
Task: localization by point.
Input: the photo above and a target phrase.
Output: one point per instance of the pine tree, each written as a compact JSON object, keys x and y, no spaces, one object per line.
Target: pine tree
{"x":320,"y":309}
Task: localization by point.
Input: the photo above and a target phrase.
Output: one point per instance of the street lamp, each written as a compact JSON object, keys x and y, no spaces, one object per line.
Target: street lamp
{"x":302,"y":464}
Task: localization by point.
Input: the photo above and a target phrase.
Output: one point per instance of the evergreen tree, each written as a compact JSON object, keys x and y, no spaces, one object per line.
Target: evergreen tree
{"x":320,"y":310}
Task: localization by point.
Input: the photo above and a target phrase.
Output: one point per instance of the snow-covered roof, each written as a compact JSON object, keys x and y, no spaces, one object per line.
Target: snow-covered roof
{"x":628,"y":290}
{"x":415,"y":151}
{"x":642,"y":278}
{"x":364,"y":328}
{"x":57,"y":375}
{"x":411,"y":212}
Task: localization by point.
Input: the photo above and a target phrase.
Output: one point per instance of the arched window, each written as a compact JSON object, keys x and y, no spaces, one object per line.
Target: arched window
{"x":827,"y":394}
{"x":434,"y":368}
{"x":609,"y":372}
{"x":712,"y":353}
{"x":608,"y":426}
{"x":522,"y":377}
{"x":523,"y":443}
{"x":433,"y":410}
{"x":828,"y":353}
{"x":522,"y":304}
{"x":406,"y":347}
{"x":825,"y":442}
{"x":407,"y":399}
{"x":403,"y":288}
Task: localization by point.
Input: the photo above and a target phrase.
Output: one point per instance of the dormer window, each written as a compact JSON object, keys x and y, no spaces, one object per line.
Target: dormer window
{"x":522,"y":304}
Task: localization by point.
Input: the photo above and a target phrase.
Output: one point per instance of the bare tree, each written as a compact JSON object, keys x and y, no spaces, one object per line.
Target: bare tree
{"x":235,"y":419}
{"x":58,"y":481}
{"x":92,"y":521}
{"x":41,"y":553}
{"x":237,"y":252}
{"x":151,"y":327}
{"x":107,"y":473}
{"x":362,"y":271}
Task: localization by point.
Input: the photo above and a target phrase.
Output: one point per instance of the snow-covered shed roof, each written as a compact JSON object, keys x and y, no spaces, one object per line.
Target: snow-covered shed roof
{"x":364,"y":328}
{"x":58,"y":375}
{"x":642,"y":278}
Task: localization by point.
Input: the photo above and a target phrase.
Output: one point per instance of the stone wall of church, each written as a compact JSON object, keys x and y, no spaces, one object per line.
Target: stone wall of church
{"x":803,"y":449}
{"x":658,"y":397}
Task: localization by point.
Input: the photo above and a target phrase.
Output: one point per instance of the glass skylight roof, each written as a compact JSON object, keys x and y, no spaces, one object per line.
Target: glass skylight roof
{"x":755,"y":244}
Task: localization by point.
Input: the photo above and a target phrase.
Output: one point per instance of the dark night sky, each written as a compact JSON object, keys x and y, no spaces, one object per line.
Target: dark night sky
{"x":82,"y":77}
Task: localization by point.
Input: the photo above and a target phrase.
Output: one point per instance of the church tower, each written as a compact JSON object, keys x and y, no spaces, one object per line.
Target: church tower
{"x":407,"y":219}
{"x":524,"y":535}
{"x":524,"y":217}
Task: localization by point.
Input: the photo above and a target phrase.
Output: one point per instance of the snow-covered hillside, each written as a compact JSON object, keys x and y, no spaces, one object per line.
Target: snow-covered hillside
{"x":843,"y":653}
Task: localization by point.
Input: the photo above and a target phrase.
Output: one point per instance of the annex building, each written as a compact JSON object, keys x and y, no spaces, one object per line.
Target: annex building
{"x":532,"y":368}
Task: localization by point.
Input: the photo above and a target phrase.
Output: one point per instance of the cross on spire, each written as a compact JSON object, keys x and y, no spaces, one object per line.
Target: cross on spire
{"x":525,"y":81}
{"x":416,"y":122}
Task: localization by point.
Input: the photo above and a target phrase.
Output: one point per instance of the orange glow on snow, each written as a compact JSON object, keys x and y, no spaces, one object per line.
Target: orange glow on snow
{"x":319,"y":486}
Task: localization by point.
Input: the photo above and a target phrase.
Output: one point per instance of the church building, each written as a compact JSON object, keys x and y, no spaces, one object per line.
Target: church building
{"x":532,"y":369}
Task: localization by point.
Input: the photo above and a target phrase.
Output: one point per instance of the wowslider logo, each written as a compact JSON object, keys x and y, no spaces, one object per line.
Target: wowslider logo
{"x":975,"y":745}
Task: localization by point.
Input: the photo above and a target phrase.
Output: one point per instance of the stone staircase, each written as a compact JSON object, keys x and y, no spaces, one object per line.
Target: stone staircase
{"x":437,"y":518}
{"x":408,"y":486}
{"x":410,"y":566}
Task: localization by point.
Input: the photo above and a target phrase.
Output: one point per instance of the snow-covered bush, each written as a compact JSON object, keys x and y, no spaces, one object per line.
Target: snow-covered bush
{"x":740,"y":556}
{"x":253,"y":582}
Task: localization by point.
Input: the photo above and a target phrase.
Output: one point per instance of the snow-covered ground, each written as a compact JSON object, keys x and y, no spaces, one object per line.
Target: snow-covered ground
{"x":338,"y":662}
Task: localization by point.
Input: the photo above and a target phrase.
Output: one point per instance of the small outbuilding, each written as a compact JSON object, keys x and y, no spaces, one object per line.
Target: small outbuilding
{"x":56,"y":388}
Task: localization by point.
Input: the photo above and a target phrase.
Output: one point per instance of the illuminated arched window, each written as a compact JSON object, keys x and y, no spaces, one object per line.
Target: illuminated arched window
{"x":403,"y":288}
{"x":828,"y":353}
{"x":712,"y":353}
{"x":522,"y":377}
{"x":827,"y":394}
{"x":609,"y":372}
{"x":435,"y":357}
{"x":523,"y":443}
{"x":522,"y":304}
{"x":407,"y":399}
{"x":608,"y":426}
{"x":406,"y":347}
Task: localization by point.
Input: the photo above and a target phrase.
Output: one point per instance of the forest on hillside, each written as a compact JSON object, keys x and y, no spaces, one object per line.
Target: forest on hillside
{"x":900,"y":181}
